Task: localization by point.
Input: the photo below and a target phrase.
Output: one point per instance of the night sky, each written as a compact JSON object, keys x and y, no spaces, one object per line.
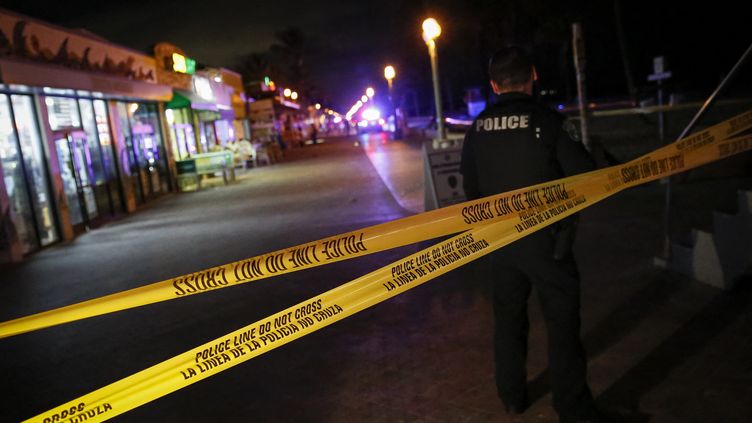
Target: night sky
{"x":348,"y":43}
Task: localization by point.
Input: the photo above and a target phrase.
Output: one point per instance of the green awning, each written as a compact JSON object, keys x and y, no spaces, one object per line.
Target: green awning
{"x":178,"y":101}
{"x":182,"y":98}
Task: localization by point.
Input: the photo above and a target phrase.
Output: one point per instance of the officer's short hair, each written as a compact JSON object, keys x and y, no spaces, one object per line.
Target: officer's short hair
{"x":510,"y":66}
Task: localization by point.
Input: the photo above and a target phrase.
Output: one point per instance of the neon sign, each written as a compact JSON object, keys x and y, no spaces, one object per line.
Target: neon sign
{"x":183,"y":64}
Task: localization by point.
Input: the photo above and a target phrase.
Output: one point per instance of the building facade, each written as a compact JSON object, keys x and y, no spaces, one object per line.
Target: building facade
{"x":82,"y":136}
{"x":207,"y":110}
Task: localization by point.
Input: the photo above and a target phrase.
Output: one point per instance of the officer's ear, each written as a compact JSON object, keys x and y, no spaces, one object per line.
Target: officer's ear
{"x":495,"y":87}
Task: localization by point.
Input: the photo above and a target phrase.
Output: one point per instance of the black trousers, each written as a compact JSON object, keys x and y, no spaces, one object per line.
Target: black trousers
{"x":517,"y":268}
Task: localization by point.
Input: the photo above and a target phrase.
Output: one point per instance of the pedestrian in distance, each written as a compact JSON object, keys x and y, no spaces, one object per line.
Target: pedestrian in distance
{"x":314,"y":133}
{"x":514,"y":143}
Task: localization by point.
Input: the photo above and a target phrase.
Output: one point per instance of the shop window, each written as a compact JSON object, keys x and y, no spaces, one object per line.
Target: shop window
{"x":69,"y":167}
{"x":223,"y":131}
{"x":24,"y":173}
{"x":105,"y":140}
{"x":145,"y":146}
{"x":62,"y":113}
{"x":15,"y":182}
{"x":209,"y":136}
{"x":34,"y":158}
{"x":146,"y":118}
{"x":92,"y":137}
{"x":181,"y":129}
{"x":127,"y":156}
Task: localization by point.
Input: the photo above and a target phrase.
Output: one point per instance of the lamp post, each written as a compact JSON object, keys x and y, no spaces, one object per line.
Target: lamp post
{"x":389,"y":74}
{"x":431,"y":31}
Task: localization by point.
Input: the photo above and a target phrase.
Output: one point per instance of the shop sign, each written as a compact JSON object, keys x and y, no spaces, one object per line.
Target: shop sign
{"x":203,"y":88}
{"x":168,"y":57}
{"x":183,"y":64}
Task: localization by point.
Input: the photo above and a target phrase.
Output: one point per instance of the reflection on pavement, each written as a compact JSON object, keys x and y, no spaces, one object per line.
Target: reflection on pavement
{"x":399,"y":163}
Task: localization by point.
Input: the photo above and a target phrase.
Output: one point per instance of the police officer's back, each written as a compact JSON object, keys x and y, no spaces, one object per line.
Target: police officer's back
{"x":515,"y":143}
{"x":519,"y":142}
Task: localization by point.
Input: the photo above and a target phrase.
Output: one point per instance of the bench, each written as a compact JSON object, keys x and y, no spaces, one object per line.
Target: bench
{"x":189,"y":171}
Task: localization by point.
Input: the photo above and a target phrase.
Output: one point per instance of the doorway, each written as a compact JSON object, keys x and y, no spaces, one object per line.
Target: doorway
{"x":77,"y":172}
{"x":147,"y":157}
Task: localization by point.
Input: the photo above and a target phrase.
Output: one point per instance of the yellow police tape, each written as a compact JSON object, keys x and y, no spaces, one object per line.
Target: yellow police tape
{"x":449,"y":220}
{"x":334,"y":305}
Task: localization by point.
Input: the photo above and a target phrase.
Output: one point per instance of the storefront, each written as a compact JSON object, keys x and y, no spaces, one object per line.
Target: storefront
{"x":201,"y":120}
{"x":240,"y":125}
{"x":144,"y":152}
{"x":273,"y":118}
{"x":207,"y":110}
{"x":180,"y":123}
{"x":176,"y":70}
{"x":83,"y":148}
{"x":80,"y":133}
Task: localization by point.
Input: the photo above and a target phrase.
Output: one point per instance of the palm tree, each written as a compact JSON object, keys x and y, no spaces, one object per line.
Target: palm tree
{"x":289,"y":53}
{"x":254,"y":67}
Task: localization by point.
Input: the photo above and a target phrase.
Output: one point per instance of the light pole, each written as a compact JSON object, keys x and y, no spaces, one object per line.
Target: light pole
{"x":431,"y":31}
{"x":389,"y":74}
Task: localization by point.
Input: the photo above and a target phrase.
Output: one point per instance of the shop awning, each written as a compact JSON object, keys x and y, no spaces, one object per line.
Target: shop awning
{"x":178,"y":101}
{"x":190,"y":99}
{"x":43,"y":75}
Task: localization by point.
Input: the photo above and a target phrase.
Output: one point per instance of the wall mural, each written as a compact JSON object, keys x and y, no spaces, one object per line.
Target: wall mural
{"x":27,"y":39}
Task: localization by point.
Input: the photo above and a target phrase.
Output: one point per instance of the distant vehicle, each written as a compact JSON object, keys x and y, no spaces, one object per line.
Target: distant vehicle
{"x":371,"y":121}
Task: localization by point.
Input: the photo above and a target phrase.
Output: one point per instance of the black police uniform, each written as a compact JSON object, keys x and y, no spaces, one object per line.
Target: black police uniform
{"x":515,"y":143}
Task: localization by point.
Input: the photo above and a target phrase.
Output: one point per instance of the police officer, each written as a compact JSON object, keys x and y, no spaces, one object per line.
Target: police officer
{"x":515,"y":143}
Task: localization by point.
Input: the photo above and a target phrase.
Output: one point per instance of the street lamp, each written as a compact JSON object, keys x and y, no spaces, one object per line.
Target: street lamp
{"x":370,"y":92}
{"x":389,"y":74}
{"x":431,"y":31}
{"x":287,"y":92}
{"x":364,"y":98}
{"x":294,"y":95}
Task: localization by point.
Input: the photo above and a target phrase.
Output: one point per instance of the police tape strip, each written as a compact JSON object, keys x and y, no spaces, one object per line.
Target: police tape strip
{"x":320,"y":311}
{"x":409,"y":230}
